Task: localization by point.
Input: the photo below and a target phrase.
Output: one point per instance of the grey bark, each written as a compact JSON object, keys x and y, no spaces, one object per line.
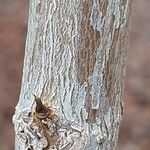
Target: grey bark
{"x":74,"y":61}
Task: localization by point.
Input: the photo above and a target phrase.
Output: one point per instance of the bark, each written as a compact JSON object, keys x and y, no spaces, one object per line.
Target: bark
{"x":74,"y":62}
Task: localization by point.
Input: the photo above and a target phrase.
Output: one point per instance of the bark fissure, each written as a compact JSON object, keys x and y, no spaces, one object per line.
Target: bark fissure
{"x":88,"y":43}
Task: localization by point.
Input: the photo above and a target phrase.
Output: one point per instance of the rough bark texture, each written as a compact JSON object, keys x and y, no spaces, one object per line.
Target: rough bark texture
{"x":74,"y":61}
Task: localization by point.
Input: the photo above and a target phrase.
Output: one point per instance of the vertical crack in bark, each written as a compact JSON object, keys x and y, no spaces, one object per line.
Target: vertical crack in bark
{"x":123,"y":2}
{"x":38,"y":8}
{"x":87,"y":44}
{"x":112,"y":24}
{"x":109,"y":70}
{"x":86,"y":57}
{"x":92,"y":113}
{"x":103,"y":7}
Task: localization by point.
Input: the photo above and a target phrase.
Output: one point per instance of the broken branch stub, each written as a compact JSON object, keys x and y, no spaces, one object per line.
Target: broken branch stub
{"x":41,"y":128}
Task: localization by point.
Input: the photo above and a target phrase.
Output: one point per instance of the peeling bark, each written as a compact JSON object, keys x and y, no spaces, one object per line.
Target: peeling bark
{"x":74,"y":61}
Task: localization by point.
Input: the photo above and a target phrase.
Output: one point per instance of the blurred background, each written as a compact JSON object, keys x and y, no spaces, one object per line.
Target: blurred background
{"x":135,"y":129}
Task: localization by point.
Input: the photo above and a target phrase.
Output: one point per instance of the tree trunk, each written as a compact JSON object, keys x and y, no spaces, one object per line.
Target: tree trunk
{"x":74,"y":62}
